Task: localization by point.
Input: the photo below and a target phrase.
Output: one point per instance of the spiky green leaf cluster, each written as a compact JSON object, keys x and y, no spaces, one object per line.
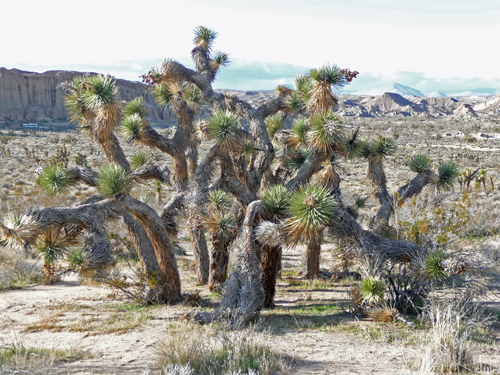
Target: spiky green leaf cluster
{"x":218,"y":61}
{"x":77,"y":259}
{"x":304,"y":86}
{"x":204,"y":37}
{"x":220,"y":224}
{"x":131,"y":126}
{"x":420,"y":163}
{"x":162,"y":94}
{"x":325,"y":131}
{"x":433,"y":266}
{"x":137,"y":105}
{"x":448,"y":173}
{"x":274,"y":124}
{"x":55,"y":179}
{"x":296,"y":157}
{"x":99,"y":91}
{"x":383,"y":146}
{"x":350,"y":146}
{"x":300,"y":127}
{"x":360,"y":202}
{"x":192,"y":94}
{"x":88,"y":93}
{"x":310,"y":208}
{"x":223,"y":126}
{"x":275,"y":199}
{"x":113,"y":180}
{"x":295,"y":103}
{"x":372,"y":290}
{"x":219,"y":200}
{"x":138,"y":160}
{"x":329,"y":74}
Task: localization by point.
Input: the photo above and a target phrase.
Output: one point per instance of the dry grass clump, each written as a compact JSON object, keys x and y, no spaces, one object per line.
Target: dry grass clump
{"x":447,"y":346}
{"x":16,"y":270}
{"x":219,"y":350}
{"x":16,"y":359}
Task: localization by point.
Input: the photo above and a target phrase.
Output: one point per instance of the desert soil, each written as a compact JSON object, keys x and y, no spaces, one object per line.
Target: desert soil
{"x":95,"y":319}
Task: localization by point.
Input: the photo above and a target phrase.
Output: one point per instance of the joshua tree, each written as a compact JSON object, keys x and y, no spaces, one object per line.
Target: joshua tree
{"x":284,"y":183}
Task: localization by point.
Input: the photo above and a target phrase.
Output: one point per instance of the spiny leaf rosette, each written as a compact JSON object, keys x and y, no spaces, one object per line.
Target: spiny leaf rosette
{"x":204,"y":37}
{"x":223,"y":126}
{"x":325,"y":131}
{"x":220,"y":224}
{"x":55,"y":179}
{"x":325,"y":79}
{"x":52,"y":244}
{"x":420,"y":163}
{"x":275,"y":199}
{"x":135,"y":106}
{"x":433,"y":266}
{"x":138,"y":160}
{"x":113,"y":180}
{"x":372,"y":290}
{"x":311,"y":208}
{"x":131,"y":126}
{"x":447,"y":172}
{"x":91,"y":100}
{"x":219,"y":200}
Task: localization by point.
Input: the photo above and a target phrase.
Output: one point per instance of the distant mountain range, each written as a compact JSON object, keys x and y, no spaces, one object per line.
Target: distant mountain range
{"x":28,"y":96}
{"x":400,"y":89}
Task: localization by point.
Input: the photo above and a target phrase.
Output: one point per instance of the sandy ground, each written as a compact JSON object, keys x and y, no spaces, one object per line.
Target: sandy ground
{"x":52,"y":316}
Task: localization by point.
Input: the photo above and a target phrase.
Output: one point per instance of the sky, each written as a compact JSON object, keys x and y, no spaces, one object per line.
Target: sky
{"x":430,"y":45}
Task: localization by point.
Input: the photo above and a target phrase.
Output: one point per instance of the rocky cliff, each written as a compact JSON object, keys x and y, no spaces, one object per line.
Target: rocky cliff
{"x":27,"y":96}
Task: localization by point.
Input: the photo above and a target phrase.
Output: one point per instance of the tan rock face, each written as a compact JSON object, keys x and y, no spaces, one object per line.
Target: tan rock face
{"x":32,"y":96}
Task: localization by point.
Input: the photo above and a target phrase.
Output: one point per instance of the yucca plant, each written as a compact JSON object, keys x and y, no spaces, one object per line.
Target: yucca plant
{"x":296,"y":157}
{"x":131,"y":126}
{"x":325,"y":80}
{"x":433,"y":266}
{"x":204,"y":37}
{"x":448,"y":173}
{"x":350,"y":146}
{"x":300,"y":127}
{"x":51,"y":246}
{"x":372,"y":290}
{"x":192,"y":96}
{"x":325,"y":131}
{"x":420,"y":163}
{"x":219,"y":200}
{"x":77,"y":259}
{"x":310,"y":208}
{"x":138,"y":160}
{"x":55,"y":179}
{"x":304,"y":86}
{"x":275,"y":199}
{"x":136,"y":106}
{"x":274,"y":124}
{"x":218,"y":61}
{"x":383,"y":147}
{"x":223,"y":126}
{"x":162,"y":94}
{"x":113,"y":180}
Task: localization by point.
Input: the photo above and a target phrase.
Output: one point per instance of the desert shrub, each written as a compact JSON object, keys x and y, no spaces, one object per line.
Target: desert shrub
{"x":452,"y":324}
{"x":17,"y":270}
{"x":219,"y":351}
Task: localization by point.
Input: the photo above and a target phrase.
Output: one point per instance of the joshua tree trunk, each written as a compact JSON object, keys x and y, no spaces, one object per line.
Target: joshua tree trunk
{"x":155,"y":229}
{"x":312,"y":257}
{"x":219,"y":260}
{"x":200,"y":248}
{"x":270,"y":264}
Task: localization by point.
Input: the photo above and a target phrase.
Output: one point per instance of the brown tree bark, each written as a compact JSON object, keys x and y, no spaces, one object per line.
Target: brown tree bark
{"x":313,"y":253}
{"x":152,"y":223}
{"x":270,"y":265}
{"x":219,"y":259}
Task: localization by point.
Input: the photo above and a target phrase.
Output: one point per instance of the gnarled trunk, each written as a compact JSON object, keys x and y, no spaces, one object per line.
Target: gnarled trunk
{"x":270,"y":265}
{"x":219,"y":259}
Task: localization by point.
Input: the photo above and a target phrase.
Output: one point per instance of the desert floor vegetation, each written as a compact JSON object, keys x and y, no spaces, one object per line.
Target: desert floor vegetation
{"x":271,"y":237}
